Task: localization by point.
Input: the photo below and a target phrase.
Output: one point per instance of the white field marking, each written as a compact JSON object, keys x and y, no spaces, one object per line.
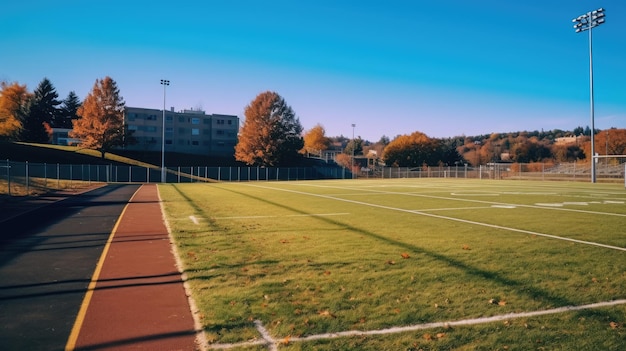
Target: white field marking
{"x":449,"y":218}
{"x":474,"y":194}
{"x":464,"y":208}
{"x":575,"y":203}
{"x":541,"y":204}
{"x":269,"y":341}
{"x":299,"y":215}
{"x":201,"y":340}
{"x":266,"y":335}
{"x":479,"y":201}
{"x":194,"y":220}
{"x":613,"y":202}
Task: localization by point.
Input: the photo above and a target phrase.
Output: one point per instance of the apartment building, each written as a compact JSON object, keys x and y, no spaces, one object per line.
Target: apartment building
{"x":186,"y":131}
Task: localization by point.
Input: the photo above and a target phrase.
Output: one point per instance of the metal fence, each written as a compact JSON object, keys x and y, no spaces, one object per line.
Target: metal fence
{"x":28,"y":176}
{"x":44,"y":176}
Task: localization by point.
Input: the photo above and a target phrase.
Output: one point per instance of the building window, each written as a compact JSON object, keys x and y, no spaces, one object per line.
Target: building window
{"x":181,"y":119}
{"x":132,"y":127}
{"x":169,"y":119}
{"x":195,"y":120}
{"x":220,"y":121}
{"x":195,"y":142}
{"x":230,"y":122}
{"x":195,"y":131}
{"x":219,"y":132}
{"x":168,"y":141}
{"x":169,"y":130}
{"x":151,"y":117}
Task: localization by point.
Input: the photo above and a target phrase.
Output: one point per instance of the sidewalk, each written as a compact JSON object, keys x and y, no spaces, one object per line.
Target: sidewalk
{"x":136,"y":300}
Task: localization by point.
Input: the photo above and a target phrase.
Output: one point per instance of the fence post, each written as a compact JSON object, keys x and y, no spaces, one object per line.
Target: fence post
{"x":9,"y":176}
{"x":27,"y":183}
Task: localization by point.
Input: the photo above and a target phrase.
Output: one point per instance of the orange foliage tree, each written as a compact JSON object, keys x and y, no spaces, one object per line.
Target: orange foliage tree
{"x":270,"y":134}
{"x":14,"y":101}
{"x":413,"y":150}
{"x":315,"y":140}
{"x":101,"y":123}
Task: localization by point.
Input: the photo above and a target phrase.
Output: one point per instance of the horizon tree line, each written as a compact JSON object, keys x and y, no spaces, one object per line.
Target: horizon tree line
{"x":271,"y":134}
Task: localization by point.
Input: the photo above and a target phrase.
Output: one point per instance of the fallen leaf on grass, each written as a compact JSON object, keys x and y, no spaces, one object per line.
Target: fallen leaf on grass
{"x":326,"y":272}
{"x":405,"y":255}
{"x":326,"y":313}
{"x":614,"y":325}
{"x":284,"y":241}
{"x":285,"y":341}
{"x":391,"y":262}
{"x":466,"y":247}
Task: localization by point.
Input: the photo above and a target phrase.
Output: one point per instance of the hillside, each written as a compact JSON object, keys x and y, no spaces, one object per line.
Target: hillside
{"x":43,"y":153}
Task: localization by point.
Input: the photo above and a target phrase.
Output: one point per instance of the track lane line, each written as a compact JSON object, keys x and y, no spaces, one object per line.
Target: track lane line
{"x":82,"y":312}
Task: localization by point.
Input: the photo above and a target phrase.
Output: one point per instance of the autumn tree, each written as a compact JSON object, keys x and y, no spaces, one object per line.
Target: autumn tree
{"x":14,"y":102}
{"x":315,"y":140}
{"x":100,"y":125}
{"x":68,"y":112}
{"x":42,"y":113}
{"x":412,"y":150}
{"x":270,"y":134}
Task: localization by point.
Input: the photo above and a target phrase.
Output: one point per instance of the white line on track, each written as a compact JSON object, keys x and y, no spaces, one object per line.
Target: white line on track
{"x":494,"y":226}
{"x":273,"y":344}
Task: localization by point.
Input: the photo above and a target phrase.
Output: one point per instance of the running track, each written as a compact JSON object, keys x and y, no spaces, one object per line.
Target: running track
{"x":93,"y":272}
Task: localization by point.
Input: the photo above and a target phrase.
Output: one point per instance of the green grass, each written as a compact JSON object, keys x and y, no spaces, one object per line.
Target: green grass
{"x":308,"y":258}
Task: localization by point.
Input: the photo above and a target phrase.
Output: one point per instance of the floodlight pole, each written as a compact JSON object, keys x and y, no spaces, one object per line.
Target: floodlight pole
{"x":165,"y":83}
{"x":353,"y":146}
{"x":586,"y":22}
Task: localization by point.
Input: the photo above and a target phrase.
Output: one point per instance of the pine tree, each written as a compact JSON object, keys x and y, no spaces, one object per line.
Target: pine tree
{"x":14,"y":101}
{"x":68,"y":111}
{"x":100,"y":125}
{"x":270,"y":134}
{"x":42,"y":113}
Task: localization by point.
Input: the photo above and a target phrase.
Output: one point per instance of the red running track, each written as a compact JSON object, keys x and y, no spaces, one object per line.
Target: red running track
{"x":136,"y":299}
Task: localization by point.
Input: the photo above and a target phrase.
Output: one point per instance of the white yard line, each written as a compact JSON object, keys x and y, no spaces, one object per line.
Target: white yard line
{"x":299,"y":215}
{"x":273,"y":344}
{"x":453,"y":218}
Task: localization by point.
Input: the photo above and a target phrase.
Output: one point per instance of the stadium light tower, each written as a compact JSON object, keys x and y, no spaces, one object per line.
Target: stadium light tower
{"x":165,"y":83}
{"x":586,"y":22}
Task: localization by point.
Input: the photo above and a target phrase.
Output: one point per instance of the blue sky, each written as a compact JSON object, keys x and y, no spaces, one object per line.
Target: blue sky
{"x":445,"y":68}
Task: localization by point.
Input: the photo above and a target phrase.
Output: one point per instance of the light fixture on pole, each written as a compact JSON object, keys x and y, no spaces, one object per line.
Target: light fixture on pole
{"x":586,"y":22}
{"x":165,"y":83}
{"x":353,"y":147}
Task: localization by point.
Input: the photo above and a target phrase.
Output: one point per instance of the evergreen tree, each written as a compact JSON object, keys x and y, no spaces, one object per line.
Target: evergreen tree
{"x":270,"y":134}
{"x":68,"y":111}
{"x":100,"y":125}
{"x":42,"y":113}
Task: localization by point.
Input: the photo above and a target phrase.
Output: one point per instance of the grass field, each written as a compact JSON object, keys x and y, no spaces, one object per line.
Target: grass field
{"x":405,"y":264}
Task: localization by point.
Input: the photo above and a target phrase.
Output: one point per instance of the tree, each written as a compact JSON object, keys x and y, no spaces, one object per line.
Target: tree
{"x":270,"y":134}
{"x":413,"y":150}
{"x":354,"y":147}
{"x":100,"y":125}
{"x":14,"y":102}
{"x":315,"y":140}
{"x":68,"y":111}
{"x":42,"y":113}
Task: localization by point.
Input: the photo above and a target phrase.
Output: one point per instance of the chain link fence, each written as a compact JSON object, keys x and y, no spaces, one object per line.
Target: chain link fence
{"x":26,"y":178}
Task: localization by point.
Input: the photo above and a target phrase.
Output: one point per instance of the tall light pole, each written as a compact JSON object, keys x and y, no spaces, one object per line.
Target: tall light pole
{"x":353,"y":146}
{"x":165,"y":83}
{"x":586,"y":22}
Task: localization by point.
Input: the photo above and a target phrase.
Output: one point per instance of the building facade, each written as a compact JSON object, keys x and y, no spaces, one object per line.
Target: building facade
{"x":187,"y":131}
